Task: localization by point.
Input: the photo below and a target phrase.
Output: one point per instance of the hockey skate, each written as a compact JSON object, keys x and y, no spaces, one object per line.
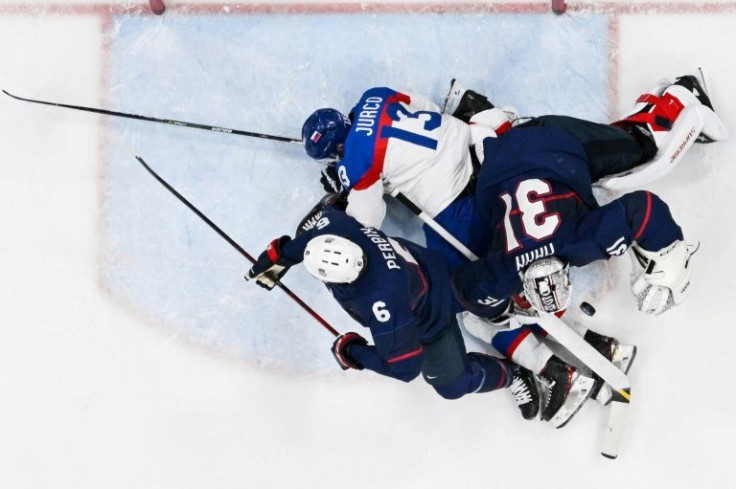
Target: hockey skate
{"x":566,"y":388}
{"x":525,"y":391}
{"x":463,"y":103}
{"x":713,"y":129}
{"x":622,"y":356}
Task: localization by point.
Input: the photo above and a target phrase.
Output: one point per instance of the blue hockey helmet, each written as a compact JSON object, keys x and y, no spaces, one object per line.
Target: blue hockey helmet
{"x":322,"y":132}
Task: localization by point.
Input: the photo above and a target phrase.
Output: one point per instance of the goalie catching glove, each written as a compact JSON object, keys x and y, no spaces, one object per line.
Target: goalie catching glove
{"x":271,"y":264}
{"x":664,"y":276}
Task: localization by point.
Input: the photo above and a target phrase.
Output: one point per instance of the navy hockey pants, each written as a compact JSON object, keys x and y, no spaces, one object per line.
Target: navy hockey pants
{"x":453,"y":372}
{"x":610,"y":149}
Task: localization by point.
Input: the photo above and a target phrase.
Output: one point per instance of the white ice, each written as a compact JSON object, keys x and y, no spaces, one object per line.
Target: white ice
{"x":133,"y":354}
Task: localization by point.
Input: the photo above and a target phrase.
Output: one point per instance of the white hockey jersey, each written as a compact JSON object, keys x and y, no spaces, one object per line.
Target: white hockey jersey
{"x":402,"y":142}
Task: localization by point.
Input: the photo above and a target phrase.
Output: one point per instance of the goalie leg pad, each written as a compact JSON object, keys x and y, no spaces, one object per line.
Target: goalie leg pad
{"x":676,"y":116}
{"x":672,"y":147}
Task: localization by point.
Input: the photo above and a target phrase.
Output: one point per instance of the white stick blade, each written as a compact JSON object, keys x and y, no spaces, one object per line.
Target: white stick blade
{"x":614,"y":435}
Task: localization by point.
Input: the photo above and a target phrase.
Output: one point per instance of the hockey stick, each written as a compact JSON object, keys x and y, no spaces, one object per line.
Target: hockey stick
{"x":163,"y":121}
{"x":235,"y":245}
{"x":569,"y":339}
{"x":429,"y":221}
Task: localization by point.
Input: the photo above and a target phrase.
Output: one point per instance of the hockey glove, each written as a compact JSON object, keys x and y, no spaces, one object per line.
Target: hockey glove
{"x":664,"y":277}
{"x":329,"y":179}
{"x":341,"y":350}
{"x":271,"y":265}
{"x":518,"y":313}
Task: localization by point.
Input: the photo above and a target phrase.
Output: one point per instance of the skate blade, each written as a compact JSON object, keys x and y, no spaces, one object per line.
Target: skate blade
{"x":623,"y":358}
{"x":579,"y":393}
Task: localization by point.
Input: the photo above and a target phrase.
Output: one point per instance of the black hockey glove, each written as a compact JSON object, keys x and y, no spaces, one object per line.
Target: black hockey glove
{"x":341,"y":350}
{"x":271,"y":265}
{"x":329,"y":179}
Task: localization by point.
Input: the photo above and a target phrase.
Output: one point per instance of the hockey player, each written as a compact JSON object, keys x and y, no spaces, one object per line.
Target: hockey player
{"x":401,"y":293}
{"x":535,"y":185}
{"x":394,"y":141}
{"x":399,"y":142}
{"x":605,"y":150}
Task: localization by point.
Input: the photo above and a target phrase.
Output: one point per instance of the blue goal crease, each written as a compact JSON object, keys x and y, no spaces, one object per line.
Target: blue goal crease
{"x":267,"y":73}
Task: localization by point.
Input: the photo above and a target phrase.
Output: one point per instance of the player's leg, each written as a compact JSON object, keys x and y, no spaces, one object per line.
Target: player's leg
{"x":453,"y":372}
{"x":448,"y":368}
{"x":610,"y":149}
{"x":620,"y":354}
{"x":667,"y":121}
{"x":565,"y":388}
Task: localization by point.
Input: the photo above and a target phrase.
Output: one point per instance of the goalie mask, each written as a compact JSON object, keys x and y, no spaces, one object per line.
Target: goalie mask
{"x":334,"y":259}
{"x":547,"y":284}
{"x":324,"y":133}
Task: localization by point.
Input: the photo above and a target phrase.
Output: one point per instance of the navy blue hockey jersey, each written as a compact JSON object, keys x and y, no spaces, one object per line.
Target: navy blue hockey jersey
{"x":535,"y":188}
{"x":403,"y":295}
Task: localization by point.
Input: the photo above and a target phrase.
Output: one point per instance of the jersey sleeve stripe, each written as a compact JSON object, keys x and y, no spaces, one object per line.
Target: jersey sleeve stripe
{"x":379,"y":155}
{"x":647,"y":214}
{"x":515,"y":343}
{"x":406,"y":356}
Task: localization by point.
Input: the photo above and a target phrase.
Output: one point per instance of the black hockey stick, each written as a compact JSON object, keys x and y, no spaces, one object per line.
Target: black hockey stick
{"x":235,"y":245}
{"x":155,"y":119}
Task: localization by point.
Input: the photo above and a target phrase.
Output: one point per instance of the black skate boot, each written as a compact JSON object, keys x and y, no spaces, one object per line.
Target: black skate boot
{"x":692,"y":83}
{"x":567,"y":391}
{"x":622,"y":356}
{"x":463,"y":103}
{"x":525,"y":391}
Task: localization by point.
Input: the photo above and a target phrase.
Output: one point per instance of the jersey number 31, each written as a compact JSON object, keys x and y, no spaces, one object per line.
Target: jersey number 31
{"x":536,"y":222}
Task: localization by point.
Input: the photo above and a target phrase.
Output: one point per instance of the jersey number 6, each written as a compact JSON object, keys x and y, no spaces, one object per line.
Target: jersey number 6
{"x":380,"y":312}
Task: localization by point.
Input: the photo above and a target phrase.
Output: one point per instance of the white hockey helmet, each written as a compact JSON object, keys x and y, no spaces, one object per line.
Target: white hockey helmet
{"x":547,"y":284}
{"x":334,"y":259}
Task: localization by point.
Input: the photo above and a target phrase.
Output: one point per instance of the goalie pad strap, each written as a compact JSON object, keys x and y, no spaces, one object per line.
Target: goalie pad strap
{"x":666,"y":110}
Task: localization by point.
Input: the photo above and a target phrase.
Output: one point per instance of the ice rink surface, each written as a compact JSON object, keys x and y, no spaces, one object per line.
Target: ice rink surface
{"x":133,"y":354}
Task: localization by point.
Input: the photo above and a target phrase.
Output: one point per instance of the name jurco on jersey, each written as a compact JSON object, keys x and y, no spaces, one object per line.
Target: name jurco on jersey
{"x":367,"y":116}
